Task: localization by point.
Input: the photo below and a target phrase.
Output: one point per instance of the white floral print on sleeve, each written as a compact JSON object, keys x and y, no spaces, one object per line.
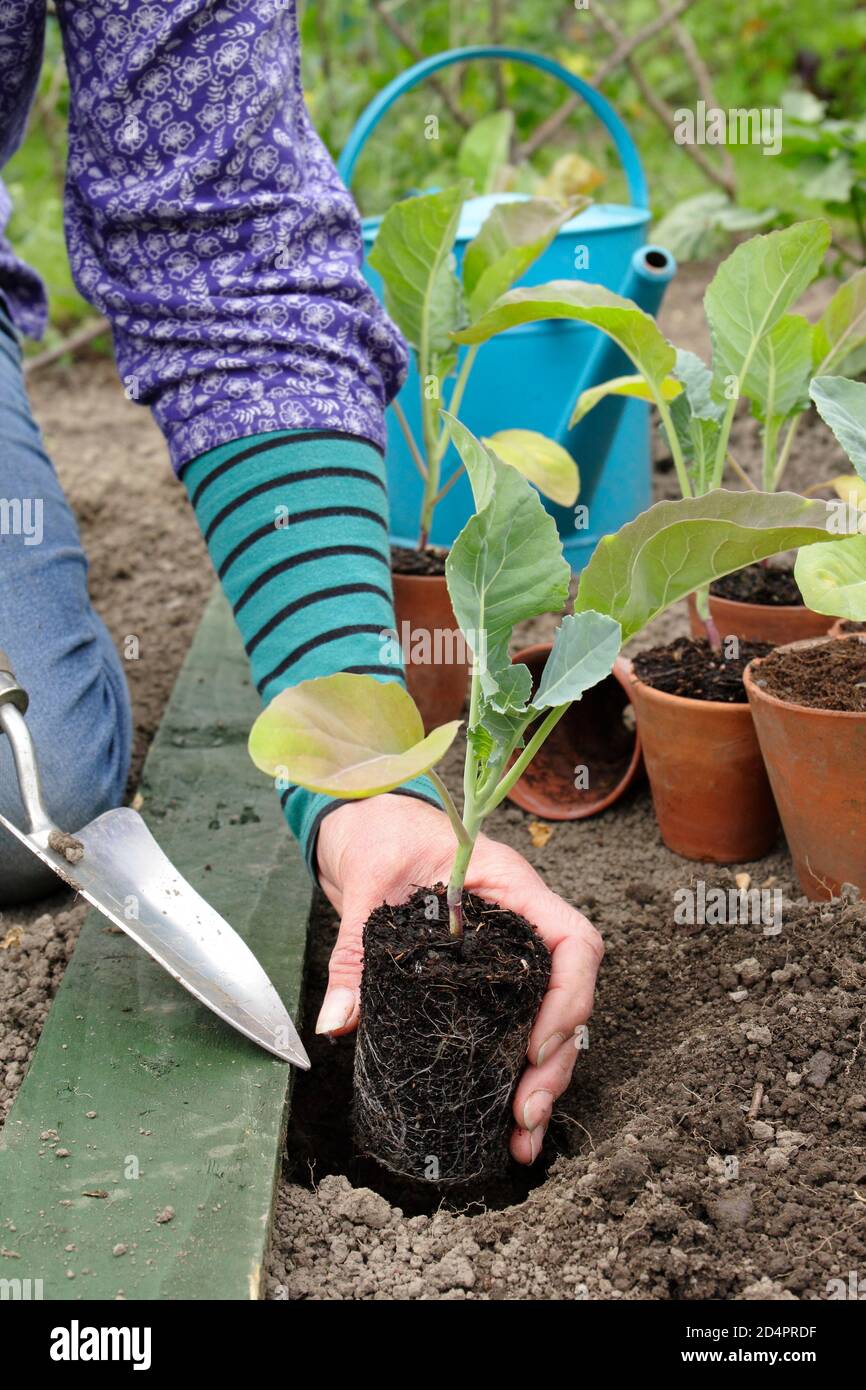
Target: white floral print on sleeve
{"x":205,"y":218}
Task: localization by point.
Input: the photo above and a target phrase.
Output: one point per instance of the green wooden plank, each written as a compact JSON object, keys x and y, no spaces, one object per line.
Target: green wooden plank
{"x":189,"y":1115}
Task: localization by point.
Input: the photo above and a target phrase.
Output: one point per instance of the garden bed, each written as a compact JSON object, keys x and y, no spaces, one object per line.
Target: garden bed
{"x":637,"y":1203}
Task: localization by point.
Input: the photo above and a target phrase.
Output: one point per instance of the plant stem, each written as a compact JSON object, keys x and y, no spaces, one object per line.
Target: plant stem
{"x":457,"y":395}
{"x":454,"y":896}
{"x":409,"y":438}
{"x":786,"y":450}
{"x":435,"y":445}
{"x":446,"y":487}
{"x":463,"y":836}
{"x":722,"y":450}
{"x":516,"y":771}
{"x":702,"y":603}
{"x":741,"y":472}
{"x":675,"y":446}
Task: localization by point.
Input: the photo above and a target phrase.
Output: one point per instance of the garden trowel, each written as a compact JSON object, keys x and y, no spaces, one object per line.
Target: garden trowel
{"x":116,"y":864}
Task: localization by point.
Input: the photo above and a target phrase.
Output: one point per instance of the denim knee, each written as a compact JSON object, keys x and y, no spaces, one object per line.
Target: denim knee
{"x":82,"y":735}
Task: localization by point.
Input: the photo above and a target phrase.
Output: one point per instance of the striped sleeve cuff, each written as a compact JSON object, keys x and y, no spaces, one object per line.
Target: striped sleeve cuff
{"x":297,"y":528}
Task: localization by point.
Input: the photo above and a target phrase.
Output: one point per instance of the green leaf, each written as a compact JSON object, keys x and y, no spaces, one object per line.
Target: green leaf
{"x":413,"y":253}
{"x":777,"y":381}
{"x":842,"y":405}
{"x":841,"y":329}
{"x":677,"y":547}
{"x":802,"y":106}
{"x":832,"y":578}
{"x":505,"y":566}
{"x":544,"y":462}
{"x":698,"y":226}
{"x":635,"y":332}
{"x":754,"y":287}
{"x":513,"y":236}
{"x":834,"y":182}
{"x":584,"y":649}
{"x":484,"y":149}
{"x":346,"y":735}
{"x":696,"y":418}
{"x":632,"y":386}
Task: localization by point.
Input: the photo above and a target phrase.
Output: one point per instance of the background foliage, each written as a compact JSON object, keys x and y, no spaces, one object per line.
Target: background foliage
{"x":753,"y":55}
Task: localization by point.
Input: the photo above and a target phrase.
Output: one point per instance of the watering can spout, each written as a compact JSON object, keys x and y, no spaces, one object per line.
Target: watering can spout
{"x":649,"y":273}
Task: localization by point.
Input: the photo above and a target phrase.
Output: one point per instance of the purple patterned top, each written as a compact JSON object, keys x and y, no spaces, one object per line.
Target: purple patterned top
{"x":205,"y":218}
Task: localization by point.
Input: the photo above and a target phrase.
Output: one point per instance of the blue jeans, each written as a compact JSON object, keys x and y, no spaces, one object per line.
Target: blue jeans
{"x":79,"y":715}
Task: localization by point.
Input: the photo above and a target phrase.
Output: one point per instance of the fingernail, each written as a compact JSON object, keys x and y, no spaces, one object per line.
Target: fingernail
{"x":536,"y":1110}
{"x":547,"y":1049}
{"x":336,"y":1010}
{"x":536,"y":1139}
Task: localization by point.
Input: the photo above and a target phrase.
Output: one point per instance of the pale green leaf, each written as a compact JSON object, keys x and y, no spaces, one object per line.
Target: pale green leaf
{"x":484,"y":149}
{"x":346,"y":735}
{"x":636,"y":332}
{"x":754,"y":287}
{"x":777,"y":381}
{"x":584,"y":649}
{"x":833,"y":182}
{"x":677,"y":547}
{"x":505,"y":566}
{"x":512,"y":238}
{"x":842,"y":405}
{"x":696,"y":418}
{"x":698,"y":226}
{"x":632,"y":386}
{"x":841,"y":329}
{"x":544,"y":462}
{"x":832,"y":578}
{"x":413,"y":253}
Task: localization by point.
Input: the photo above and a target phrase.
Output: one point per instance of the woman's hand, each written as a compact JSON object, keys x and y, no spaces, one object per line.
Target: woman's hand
{"x":381,"y":850}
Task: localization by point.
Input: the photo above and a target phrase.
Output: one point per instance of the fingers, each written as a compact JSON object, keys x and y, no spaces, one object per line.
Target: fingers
{"x":341,"y":1006}
{"x":568,"y":1002}
{"x":539,"y":1089}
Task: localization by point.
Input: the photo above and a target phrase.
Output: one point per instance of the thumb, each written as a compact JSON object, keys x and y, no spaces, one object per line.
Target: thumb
{"x":341,"y":1005}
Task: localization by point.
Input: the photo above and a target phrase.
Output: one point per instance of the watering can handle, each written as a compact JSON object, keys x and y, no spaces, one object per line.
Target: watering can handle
{"x":370,"y":118}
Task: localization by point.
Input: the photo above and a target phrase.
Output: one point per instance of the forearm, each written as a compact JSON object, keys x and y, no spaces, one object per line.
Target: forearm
{"x":206,"y":219}
{"x":297,"y":528}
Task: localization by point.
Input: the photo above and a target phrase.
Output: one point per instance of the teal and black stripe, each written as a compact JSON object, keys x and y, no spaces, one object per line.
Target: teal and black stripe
{"x":297,"y":529}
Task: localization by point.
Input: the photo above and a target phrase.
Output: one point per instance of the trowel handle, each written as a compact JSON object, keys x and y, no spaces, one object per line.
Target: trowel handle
{"x":11,"y":693}
{"x":13,"y":703}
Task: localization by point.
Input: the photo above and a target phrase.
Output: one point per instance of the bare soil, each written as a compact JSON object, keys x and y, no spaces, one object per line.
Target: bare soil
{"x":713,"y":1144}
{"x":831,"y":675}
{"x":689,"y":667}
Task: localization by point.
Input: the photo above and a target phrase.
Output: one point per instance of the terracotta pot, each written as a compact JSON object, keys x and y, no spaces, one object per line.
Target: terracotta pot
{"x":593,"y":735}
{"x":760,"y":622}
{"x":816,"y":760}
{"x":436,"y":660}
{"x":709,"y":787}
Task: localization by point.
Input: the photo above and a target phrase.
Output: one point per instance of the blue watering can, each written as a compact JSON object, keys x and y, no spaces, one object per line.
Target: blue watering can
{"x":531,"y":376}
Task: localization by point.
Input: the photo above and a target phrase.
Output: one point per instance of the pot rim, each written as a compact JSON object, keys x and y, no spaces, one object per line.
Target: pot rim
{"x":419,"y":579}
{"x":762,"y":607}
{"x":760,"y":694}
{"x":662,"y":697}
